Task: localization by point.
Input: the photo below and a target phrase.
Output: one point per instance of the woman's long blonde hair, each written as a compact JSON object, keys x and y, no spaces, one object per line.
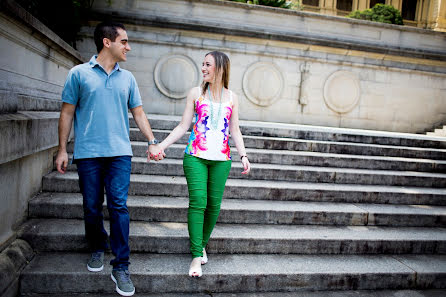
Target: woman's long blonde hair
{"x":222,"y":68}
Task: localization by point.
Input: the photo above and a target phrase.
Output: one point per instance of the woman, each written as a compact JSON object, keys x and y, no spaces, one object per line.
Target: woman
{"x":207,"y":158}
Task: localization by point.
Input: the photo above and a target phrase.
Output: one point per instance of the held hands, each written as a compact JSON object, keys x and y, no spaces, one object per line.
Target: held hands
{"x":155,"y":152}
{"x":246,"y":165}
{"x":62,"y":161}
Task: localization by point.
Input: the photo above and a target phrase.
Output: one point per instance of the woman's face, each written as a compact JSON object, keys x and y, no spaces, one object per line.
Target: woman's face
{"x":208,"y":68}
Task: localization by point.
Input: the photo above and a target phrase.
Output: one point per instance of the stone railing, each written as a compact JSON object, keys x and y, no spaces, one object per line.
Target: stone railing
{"x":33,"y":69}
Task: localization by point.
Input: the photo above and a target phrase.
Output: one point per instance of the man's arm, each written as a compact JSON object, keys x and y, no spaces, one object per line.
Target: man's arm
{"x":65,"y":122}
{"x":144,"y":126}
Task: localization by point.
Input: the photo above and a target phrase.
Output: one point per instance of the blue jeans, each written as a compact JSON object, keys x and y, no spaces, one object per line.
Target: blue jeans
{"x":113,"y":173}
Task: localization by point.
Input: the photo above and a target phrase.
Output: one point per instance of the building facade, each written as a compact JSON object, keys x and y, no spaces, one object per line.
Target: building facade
{"x":426,"y":14}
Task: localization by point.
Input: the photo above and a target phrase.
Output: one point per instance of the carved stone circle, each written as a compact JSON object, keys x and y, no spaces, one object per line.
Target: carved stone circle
{"x":342,"y":91}
{"x":263,"y":83}
{"x":175,"y":75}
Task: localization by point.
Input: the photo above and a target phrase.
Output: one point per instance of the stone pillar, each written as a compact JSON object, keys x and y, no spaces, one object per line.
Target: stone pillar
{"x":360,"y":4}
{"x":328,"y":7}
{"x":398,"y":4}
{"x":440,"y":23}
{"x":432,"y":13}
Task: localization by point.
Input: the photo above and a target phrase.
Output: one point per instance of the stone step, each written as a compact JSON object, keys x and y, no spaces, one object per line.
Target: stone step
{"x":440,"y":132}
{"x":306,"y":158}
{"x":309,"y":132}
{"x":292,"y":173}
{"x":274,"y":143}
{"x":169,"y":238}
{"x":156,"y":273}
{"x":338,"y":293}
{"x":267,"y":190}
{"x":242,"y":211}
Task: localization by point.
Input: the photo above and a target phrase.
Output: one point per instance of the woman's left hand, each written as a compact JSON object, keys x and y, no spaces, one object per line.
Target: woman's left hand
{"x":246,"y":165}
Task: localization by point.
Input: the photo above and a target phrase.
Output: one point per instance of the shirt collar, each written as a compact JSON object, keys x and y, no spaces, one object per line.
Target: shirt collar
{"x":94,"y":63}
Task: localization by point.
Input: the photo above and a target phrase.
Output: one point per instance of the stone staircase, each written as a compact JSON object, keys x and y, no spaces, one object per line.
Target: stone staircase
{"x":339,"y":211}
{"x":440,"y":132}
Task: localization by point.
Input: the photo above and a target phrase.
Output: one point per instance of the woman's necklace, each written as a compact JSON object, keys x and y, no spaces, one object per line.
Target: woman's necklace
{"x":214,"y":121}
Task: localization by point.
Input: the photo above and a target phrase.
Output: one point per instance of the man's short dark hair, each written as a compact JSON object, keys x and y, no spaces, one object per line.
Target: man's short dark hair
{"x":106,"y":30}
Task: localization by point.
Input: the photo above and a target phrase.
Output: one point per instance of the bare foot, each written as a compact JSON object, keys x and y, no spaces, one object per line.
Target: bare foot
{"x":195,"y":267}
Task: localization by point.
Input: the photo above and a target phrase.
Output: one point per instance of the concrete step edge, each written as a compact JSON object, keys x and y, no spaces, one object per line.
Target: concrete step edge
{"x":308,"y":158}
{"x":267,"y":190}
{"x":173,"y":238}
{"x":442,"y":148}
{"x":295,"y":130}
{"x":253,"y":211}
{"x":148,"y":178}
{"x":302,"y":173}
{"x":308,"y":293}
{"x":168,"y":273}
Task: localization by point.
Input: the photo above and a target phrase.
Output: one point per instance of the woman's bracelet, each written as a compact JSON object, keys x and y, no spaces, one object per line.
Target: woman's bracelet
{"x":244,"y":156}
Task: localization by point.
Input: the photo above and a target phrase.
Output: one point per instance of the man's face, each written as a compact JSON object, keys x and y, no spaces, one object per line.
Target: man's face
{"x":120,"y":46}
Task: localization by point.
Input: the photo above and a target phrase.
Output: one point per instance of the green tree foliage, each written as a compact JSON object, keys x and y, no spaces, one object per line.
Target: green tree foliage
{"x":64,"y":17}
{"x":379,"y":13}
{"x":274,"y":3}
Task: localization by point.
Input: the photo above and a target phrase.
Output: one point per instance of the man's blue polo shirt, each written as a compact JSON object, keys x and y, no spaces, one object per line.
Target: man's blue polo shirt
{"x":101,"y":123}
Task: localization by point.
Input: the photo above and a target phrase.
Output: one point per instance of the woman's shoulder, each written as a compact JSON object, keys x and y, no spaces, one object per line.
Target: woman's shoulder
{"x":232,"y":96}
{"x":195,"y":92}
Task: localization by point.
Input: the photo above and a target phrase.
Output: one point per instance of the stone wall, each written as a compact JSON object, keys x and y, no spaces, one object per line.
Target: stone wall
{"x":287,"y":66}
{"x":33,"y":69}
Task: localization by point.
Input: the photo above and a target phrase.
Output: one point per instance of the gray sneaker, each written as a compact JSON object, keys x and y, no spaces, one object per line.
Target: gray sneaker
{"x":124,"y":285}
{"x":96,"y":262}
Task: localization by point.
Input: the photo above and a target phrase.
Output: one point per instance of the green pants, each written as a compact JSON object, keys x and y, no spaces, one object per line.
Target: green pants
{"x":206,"y":182}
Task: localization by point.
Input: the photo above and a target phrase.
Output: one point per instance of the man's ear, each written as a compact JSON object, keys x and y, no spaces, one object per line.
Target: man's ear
{"x":106,"y":42}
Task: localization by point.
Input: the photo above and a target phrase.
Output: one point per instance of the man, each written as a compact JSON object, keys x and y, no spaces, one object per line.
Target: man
{"x":98,"y":95}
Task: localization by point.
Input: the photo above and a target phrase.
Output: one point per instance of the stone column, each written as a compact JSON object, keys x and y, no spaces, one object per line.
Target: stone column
{"x":431,"y":13}
{"x":328,"y":7}
{"x":398,"y":4}
{"x":360,"y":4}
{"x":440,"y":23}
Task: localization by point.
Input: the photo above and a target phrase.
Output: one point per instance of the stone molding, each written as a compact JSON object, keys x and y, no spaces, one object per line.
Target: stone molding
{"x":37,"y":132}
{"x":8,"y":101}
{"x":15,"y":10}
{"x":175,"y":75}
{"x":342,"y":91}
{"x":292,"y":26}
{"x":16,"y":38}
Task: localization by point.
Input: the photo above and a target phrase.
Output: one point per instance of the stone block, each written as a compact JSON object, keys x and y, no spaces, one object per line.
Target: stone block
{"x":8,"y":101}
{"x":12,"y":261}
{"x":296,"y":52}
{"x":37,"y":133}
{"x":213,"y":43}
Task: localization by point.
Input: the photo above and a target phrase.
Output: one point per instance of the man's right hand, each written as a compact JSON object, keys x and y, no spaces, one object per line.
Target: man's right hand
{"x":62,"y":161}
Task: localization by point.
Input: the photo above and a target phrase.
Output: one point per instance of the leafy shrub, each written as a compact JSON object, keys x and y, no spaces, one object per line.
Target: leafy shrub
{"x":379,"y":13}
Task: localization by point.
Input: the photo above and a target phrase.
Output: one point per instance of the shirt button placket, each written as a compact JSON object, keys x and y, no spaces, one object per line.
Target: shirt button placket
{"x":108,"y":83}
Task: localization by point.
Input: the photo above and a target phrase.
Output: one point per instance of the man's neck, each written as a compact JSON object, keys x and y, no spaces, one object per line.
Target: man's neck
{"x":106,"y":61}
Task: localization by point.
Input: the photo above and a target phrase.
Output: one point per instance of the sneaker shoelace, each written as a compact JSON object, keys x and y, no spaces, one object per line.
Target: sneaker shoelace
{"x":123,"y":276}
{"x":96,"y":256}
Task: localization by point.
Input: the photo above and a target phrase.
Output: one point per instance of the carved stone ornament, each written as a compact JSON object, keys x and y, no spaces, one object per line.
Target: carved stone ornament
{"x":342,"y":91}
{"x":263,"y":83}
{"x":175,"y":75}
